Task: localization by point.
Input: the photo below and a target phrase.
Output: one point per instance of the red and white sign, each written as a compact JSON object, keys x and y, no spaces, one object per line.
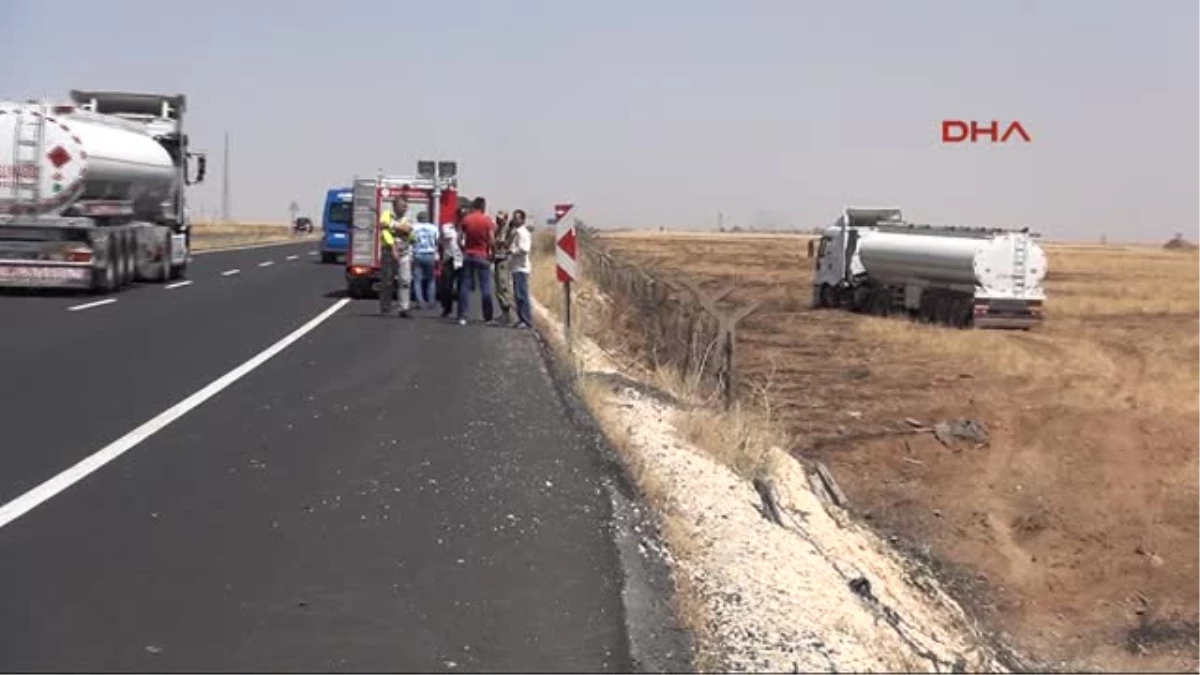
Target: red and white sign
{"x":560,"y":211}
{"x":565,"y":246}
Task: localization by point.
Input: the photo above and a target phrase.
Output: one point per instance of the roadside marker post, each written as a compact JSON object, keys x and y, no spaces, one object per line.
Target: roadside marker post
{"x":566,"y":259}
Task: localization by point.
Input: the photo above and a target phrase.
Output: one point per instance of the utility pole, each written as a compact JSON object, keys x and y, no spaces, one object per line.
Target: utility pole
{"x":225,"y":215}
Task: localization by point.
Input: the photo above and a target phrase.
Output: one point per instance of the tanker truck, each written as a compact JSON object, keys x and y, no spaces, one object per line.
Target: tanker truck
{"x":92,"y":193}
{"x":872,"y":261}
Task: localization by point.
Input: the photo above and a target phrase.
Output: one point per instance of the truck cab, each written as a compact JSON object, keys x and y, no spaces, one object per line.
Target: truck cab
{"x":835,"y":262}
{"x":335,"y":223}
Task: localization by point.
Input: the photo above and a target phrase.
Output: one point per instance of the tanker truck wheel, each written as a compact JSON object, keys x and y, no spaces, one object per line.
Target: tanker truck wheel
{"x":925,"y":309}
{"x":881,"y":302}
{"x":128,"y":261}
{"x":823,"y":297}
{"x":964,"y":311}
{"x":164,"y":272}
{"x":941,"y":310}
{"x":105,"y":280}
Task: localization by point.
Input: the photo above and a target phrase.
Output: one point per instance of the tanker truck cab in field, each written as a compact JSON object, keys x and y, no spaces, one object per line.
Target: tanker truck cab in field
{"x":871,"y":261}
{"x":335,"y":223}
{"x":95,"y":194}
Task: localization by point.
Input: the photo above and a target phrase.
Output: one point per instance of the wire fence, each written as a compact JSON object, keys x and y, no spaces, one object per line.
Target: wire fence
{"x":670,"y":323}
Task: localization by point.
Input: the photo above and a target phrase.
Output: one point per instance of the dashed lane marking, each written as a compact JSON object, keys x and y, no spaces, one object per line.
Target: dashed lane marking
{"x":90,"y":305}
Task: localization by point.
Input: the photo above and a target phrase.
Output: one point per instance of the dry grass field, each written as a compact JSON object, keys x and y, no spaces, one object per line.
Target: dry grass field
{"x":1073,"y":533}
{"x":206,"y":236}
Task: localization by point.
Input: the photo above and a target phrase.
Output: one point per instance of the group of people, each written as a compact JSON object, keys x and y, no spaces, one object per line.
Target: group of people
{"x":463,"y":256}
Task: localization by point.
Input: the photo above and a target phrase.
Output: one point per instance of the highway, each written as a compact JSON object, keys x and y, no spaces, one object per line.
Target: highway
{"x":249,"y":472}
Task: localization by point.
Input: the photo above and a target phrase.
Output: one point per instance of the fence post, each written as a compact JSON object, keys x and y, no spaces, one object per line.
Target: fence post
{"x":727,"y":322}
{"x":567,"y":315}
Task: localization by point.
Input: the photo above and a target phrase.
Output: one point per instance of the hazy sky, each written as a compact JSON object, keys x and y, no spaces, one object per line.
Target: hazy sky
{"x":662,"y":112}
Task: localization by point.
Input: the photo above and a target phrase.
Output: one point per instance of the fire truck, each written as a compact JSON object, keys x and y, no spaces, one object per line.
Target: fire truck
{"x":433,"y":190}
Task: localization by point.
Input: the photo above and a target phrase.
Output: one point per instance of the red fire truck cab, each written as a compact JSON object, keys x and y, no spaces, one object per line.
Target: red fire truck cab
{"x":372,"y":198}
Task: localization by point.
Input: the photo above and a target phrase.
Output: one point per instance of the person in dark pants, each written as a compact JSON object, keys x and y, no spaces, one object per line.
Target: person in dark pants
{"x":519,"y":263}
{"x":450,"y":254}
{"x":478,"y":235}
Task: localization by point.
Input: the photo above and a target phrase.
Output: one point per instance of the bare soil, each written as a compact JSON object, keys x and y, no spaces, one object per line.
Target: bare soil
{"x":1073,"y":532}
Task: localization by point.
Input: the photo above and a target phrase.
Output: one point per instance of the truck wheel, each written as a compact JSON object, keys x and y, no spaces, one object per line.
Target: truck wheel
{"x":964,"y":311}
{"x":128,"y":263}
{"x":924,"y":310}
{"x":823,"y":296}
{"x":947,"y":311}
{"x":105,"y":280}
{"x":164,"y":273}
{"x":881,"y":302}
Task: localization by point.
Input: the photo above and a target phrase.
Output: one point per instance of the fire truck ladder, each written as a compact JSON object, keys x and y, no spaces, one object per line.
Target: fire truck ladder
{"x":29,"y":141}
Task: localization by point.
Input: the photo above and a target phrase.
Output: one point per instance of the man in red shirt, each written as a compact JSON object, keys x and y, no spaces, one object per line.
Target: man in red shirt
{"x":479,"y":237}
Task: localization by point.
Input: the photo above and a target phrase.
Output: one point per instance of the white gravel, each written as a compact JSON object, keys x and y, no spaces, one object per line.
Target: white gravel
{"x":779,"y":599}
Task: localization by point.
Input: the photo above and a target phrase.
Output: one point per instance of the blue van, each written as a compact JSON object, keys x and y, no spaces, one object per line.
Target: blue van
{"x":335,"y":223}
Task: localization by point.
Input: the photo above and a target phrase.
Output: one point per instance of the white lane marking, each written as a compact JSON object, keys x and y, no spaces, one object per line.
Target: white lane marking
{"x":179,"y":284}
{"x":33,"y":498}
{"x":292,"y":257}
{"x":312,"y":252}
{"x":266,"y":263}
{"x":90,"y":305}
{"x":227,"y":273}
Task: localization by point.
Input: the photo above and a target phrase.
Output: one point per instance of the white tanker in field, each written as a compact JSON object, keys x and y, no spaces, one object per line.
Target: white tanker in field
{"x":871,"y":261}
{"x":92,"y":193}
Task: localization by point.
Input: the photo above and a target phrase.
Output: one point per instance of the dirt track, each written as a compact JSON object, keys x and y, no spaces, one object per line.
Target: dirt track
{"x":1074,"y":531}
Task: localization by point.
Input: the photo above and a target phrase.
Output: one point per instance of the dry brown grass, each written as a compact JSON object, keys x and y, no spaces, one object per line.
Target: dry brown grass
{"x":740,"y":438}
{"x":1094,"y":421}
{"x":207,"y":236}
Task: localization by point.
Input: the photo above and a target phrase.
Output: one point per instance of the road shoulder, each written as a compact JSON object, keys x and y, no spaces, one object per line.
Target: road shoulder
{"x":807,"y":591}
{"x":658,"y":642}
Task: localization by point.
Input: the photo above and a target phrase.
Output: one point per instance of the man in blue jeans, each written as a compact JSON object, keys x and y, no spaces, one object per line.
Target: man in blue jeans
{"x":425,"y":247}
{"x":479,"y":238}
{"x":521,"y":266}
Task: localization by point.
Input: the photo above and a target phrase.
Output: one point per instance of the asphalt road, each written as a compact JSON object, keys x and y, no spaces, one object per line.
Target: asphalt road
{"x":378,"y":495}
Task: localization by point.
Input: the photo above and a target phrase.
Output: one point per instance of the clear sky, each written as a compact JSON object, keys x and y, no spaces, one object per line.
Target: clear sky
{"x":664,"y":112}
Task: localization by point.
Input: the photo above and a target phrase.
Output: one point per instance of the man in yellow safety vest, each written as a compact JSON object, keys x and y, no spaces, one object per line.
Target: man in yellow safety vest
{"x":395,"y":257}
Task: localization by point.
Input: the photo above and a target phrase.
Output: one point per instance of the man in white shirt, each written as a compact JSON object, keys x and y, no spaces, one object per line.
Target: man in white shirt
{"x":521,"y":267}
{"x":452,"y":261}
